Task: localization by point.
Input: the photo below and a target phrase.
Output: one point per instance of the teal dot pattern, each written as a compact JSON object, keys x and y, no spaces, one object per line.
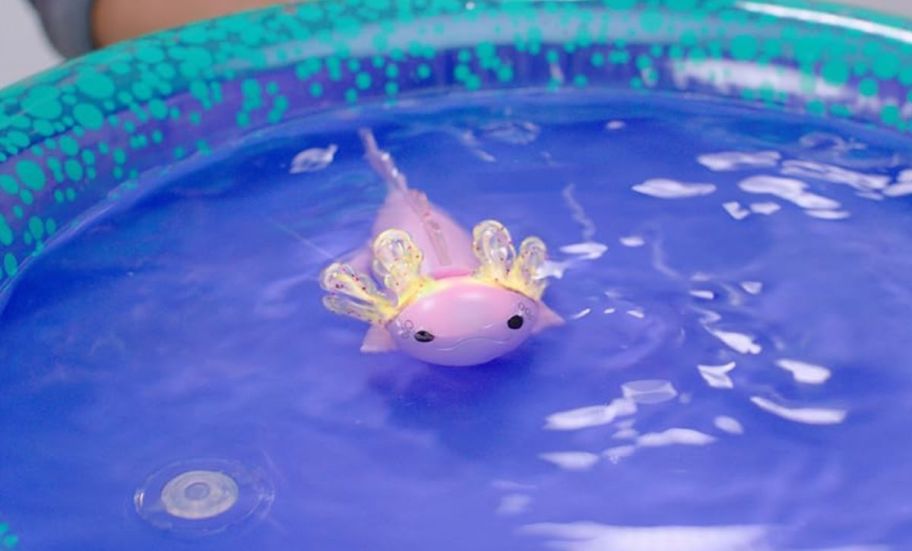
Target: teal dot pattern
{"x":105,"y":126}
{"x":8,"y":540}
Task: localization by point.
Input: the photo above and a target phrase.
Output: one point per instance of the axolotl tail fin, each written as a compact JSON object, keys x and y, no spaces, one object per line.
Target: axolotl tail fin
{"x":382,"y":162}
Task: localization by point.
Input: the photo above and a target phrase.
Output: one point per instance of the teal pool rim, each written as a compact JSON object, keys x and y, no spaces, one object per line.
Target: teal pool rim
{"x":100,"y":129}
{"x":8,"y":539}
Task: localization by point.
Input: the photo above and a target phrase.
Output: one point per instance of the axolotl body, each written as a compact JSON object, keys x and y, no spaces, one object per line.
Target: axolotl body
{"x":451,"y":297}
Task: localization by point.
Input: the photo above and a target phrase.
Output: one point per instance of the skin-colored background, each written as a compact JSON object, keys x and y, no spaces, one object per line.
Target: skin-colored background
{"x":23,"y":49}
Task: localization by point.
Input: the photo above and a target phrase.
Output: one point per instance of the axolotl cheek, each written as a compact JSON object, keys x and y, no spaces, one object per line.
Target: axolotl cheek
{"x":464,"y":324}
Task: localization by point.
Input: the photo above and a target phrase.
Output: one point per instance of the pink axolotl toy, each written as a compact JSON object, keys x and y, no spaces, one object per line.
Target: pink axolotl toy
{"x":451,"y":298}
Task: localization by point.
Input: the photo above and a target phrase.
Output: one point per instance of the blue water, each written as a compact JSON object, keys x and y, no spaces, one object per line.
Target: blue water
{"x":186,"y":331}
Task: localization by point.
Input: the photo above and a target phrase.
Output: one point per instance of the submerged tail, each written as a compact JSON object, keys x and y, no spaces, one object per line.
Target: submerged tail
{"x":382,"y":162}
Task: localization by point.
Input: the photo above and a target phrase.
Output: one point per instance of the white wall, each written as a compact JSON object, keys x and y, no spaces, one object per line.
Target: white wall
{"x":23,"y":49}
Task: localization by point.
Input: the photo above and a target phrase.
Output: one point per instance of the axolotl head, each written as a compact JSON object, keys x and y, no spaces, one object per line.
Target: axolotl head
{"x":464,"y":321}
{"x":455,"y":321}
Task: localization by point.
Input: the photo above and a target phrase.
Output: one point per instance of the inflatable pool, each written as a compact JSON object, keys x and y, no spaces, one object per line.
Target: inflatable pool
{"x":724,"y":188}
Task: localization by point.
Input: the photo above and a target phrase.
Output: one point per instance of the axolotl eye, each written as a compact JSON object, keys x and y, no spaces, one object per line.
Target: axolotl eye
{"x":424,"y":336}
{"x":516,"y":322}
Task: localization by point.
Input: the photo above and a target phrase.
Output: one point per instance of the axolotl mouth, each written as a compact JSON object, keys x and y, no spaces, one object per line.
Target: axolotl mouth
{"x":469,"y":351}
{"x":471,"y":340}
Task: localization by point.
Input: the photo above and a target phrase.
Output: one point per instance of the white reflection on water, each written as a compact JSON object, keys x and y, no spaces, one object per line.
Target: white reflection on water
{"x":752,"y":287}
{"x":739,"y":342}
{"x":571,"y":460}
{"x":727,"y":76}
{"x":736,"y":210}
{"x":313,"y":159}
{"x":579,"y":213}
{"x":789,"y":189}
{"x":728,"y":424}
{"x":510,"y":132}
{"x":899,"y":189}
{"x":828,"y":214}
{"x":766,"y":208}
{"x":675,"y":436}
{"x":615,"y":125}
{"x":810,"y":416}
{"x":664,"y":188}
{"x":831,"y":19}
{"x":738,"y":160}
{"x":591,"y":416}
{"x":513,"y":504}
{"x":592,"y":536}
{"x":834,"y":174}
{"x":586,"y":250}
{"x":636,"y":313}
{"x":805,"y":372}
{"x":581,"y":314}
{"x":632,"y":241}
{"x":649,"y":391}
{"x":702,"y":293}
{"x":716,"y":376}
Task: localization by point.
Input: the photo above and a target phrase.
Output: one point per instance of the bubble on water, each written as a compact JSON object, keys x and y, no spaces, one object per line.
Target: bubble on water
{"x":313,"y":159}
{"x":716,"y":376}
{"x":591,"y":416}
{"x":201,"y":497}
{"x":632,"y":241}
{"x":834,"y":174}
{"x":672,"y":189}
{"x":649,"y":391}
{"x":571,"y":461}
{"x":805,"y":372}
{"x":637,"y":313}
{"x":789,"y":189}
{"x":609,"y":310}
{"x":739,"y":160}
{"x":735,"y":210}
{"x":728,"y":424}
{"x":766,"y":208}
{"x":739,"y":342}
{"x":810,"y":416}
{"x":905,"y":176}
